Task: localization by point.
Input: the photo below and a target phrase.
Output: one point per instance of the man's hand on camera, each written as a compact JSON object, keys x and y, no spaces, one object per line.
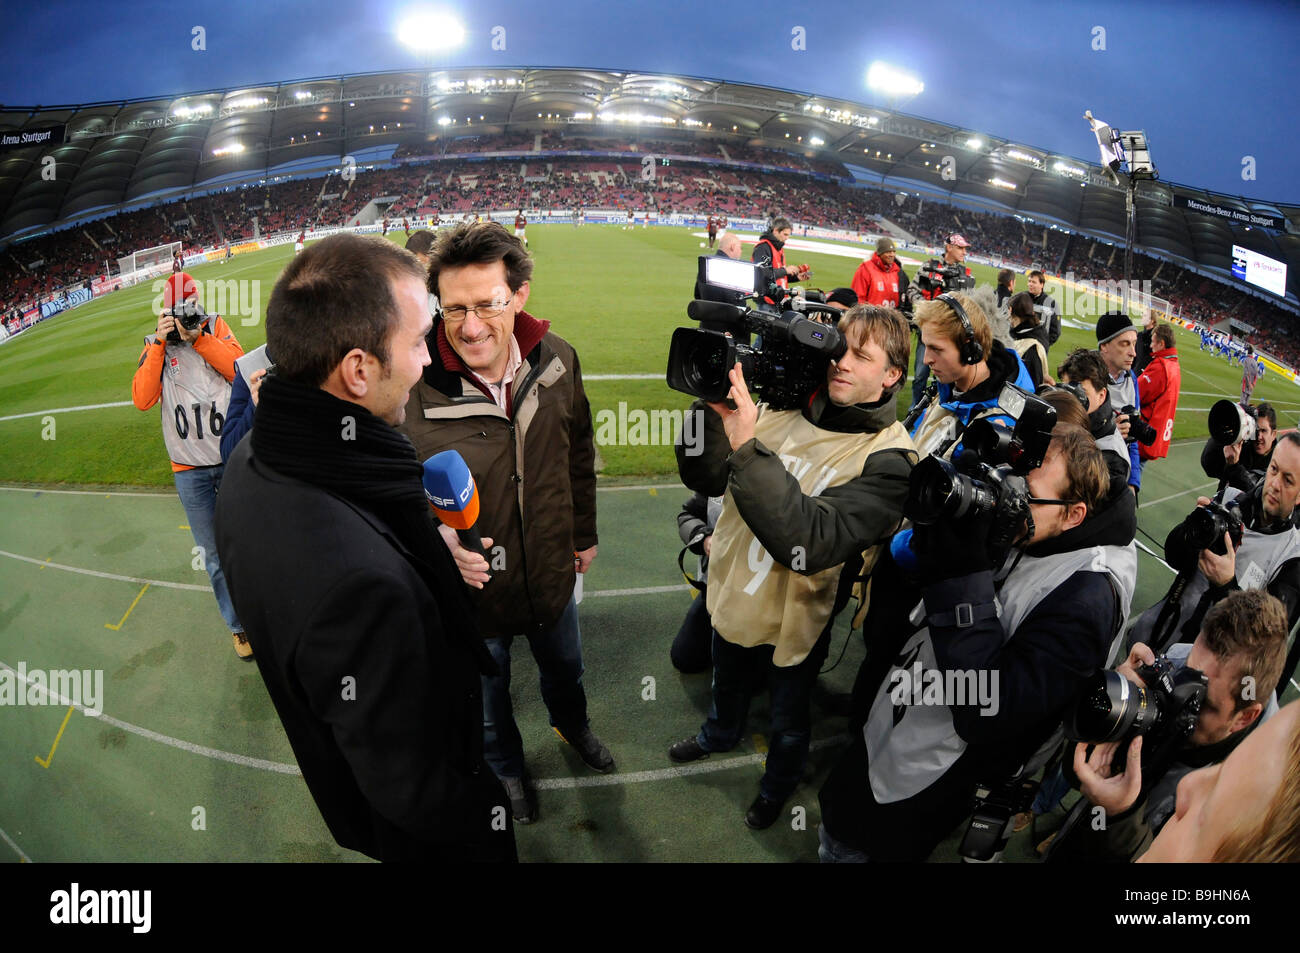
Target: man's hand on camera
{"x":165,"y":325}
{"x":1114,"y":793}
{"x":1219,"y":570}
{"x":708,"y":545}
{"x":738,"y":423}
{"x":1121,"y":424}
{"x":473,"y":567}
{"x":1232,"y":453}
{"x":1140,"y":654}
{"x":255,"y":384}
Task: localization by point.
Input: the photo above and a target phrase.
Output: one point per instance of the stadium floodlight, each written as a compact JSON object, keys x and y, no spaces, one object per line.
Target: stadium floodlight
{"x":892,"y":81}
{"x":426,"y":32}
{"x":817,"y":141}
{"x":444,"y":120}
{"x":974,"y":142}
{"x":1003,"y":184}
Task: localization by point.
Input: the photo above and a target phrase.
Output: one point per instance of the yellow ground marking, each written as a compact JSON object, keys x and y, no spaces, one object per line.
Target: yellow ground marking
{"x":57,"y":738}
{"x":115,"y":628}
{"x":47,"y":559}
{"x":182,"y":526}
{"x":654,"y":492}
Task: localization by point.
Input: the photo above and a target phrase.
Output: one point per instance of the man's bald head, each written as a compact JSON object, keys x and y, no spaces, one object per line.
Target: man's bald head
{"x":730,"y":245}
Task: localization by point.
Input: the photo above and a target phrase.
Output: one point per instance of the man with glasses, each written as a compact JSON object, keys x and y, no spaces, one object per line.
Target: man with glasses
{"x":507,"y":393}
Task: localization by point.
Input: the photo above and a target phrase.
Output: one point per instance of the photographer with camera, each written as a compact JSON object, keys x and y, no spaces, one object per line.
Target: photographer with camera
{"x":1246,"y":541}
{"x":937,"y":276}
{"x":1028,"y":338}
{"x":1027,"y":619}
{"x":1159,"y":385}
{"x":769,"y":252}
{"x":1084,"y":374}
{"x":1240,"y":650}
{"x":1242,"y":460}
{"x":189,"y":363}
{"x":970,"y":368}
{"x":1116,"y":340}
{"x":807,"y":490}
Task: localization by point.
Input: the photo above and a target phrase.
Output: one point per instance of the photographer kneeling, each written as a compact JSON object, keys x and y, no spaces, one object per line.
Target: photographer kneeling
{"x":997,"y":651}
{"x":1251,"y":543}
{"x":806,"y":492}
{"x":1240,"y":650}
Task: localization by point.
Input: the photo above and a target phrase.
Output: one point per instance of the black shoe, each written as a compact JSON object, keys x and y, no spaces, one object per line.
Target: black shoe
{"x":763,"y":813}
{"x":688,"y":749}
{"x":594,"y":754}
{"x":523,"y":805}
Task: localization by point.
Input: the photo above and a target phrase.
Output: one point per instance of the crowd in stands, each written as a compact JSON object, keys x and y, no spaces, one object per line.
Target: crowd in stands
{"x":455,"y":186}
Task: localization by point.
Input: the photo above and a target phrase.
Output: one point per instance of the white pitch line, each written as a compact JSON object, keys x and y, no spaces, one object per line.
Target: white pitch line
{"x":112,"y":575}
{"x":67,"y":410}
{"x":1174,"y":496}
{"x":665,"y":774}
{"x":18,"y":850}
{"x":1150,"y":552}
{"x":645,"y":591}
{"x":160,"y":495}
{"x":622,"y":377}
{"x":240,"y":759}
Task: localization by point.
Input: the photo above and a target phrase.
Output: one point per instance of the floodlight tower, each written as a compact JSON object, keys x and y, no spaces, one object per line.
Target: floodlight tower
{"x":1118,"y":149}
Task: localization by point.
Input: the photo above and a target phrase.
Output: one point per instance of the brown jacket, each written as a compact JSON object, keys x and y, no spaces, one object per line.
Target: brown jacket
{"x":534,"y":467}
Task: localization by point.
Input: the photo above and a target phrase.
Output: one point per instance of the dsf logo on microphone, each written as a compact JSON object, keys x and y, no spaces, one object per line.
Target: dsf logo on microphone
{"x":464,"y":496}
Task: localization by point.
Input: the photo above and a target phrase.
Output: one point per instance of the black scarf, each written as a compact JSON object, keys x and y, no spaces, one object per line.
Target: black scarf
{"x":310,"y":435}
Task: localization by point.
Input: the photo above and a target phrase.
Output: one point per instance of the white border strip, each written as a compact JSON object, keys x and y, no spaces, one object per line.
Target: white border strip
{"x":9,"y":840}
{"x":66,"y":410}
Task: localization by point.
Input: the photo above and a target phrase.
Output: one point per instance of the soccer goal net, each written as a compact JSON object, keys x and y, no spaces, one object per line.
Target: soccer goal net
{"x":147,"y":262}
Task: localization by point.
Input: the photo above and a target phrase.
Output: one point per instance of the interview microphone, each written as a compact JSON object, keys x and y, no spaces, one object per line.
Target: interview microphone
{"x":454,"y":497}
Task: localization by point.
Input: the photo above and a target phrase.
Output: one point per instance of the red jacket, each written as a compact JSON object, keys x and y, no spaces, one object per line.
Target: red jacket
{"x":877,"y":283}
{"x":1159,"y":385}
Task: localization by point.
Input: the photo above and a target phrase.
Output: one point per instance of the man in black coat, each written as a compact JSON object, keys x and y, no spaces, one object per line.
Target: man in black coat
{"x":357,"y":614}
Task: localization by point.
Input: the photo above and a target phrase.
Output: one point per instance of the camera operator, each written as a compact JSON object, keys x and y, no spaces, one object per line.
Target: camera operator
{"x":189,"y":363}
{"x":880,"y":280}
{"x":1240,"y":464}
{"x":769,"y":251}
{"x":1159,"y":384}
{"x":1049,"y":315}
{"x":1268,"y":556}
{"x":970,"y":369}
{"x":1240,"y":650}
{"x":1031,"y":627}
{"x":931,"y":281}
{"x":787,"y":549}
{"x":1116,"y":340}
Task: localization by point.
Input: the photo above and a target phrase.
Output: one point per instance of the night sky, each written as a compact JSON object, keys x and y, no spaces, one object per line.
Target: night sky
{"x":1211,"y":83}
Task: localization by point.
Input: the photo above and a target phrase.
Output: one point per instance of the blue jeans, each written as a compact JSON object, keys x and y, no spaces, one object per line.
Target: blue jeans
{"x":831,"y":851}
{"x":558,"y":652}
{"x":198,"y":493}
{"x":739,"y":673}
{"x":1053,"y":789}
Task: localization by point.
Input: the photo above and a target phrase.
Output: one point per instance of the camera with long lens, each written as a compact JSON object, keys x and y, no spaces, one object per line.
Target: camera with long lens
{"x":1204,"y":528}
{"x":1139,"y":429}
{"x":189,"y":314}
{"x":795,"y":350}
{"x":1231,"y":423}
{"x":989,"y":473}
{"x":1164,"y":706}
{"x":936,"y":281}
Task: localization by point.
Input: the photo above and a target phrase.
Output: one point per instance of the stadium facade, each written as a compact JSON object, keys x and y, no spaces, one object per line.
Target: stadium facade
{"x":105,"y":158}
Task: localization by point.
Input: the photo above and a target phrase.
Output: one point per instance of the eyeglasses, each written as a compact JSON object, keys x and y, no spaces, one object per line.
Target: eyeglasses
{"x":457,"y":314}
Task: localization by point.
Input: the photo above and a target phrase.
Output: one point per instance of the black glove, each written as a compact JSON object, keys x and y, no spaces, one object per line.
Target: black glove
{"x":952,"y":548}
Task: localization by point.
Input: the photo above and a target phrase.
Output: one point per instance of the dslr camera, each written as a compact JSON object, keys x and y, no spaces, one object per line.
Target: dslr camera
{"x":1203,"y":528}
{"x":989,"y":473}
{"x":189,"y":314}
{"x":790,"y":363}
{"x":936,"y":281}
{"x":1164,"y":706}
{"x":1139,"y":429}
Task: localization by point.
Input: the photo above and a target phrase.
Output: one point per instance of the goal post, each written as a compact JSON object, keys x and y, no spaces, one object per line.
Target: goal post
{"x":147,"y":262}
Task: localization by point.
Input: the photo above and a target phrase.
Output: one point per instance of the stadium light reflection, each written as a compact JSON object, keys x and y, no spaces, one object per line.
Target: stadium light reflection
{"x":428,"y":31}
{"x":892,"y":81}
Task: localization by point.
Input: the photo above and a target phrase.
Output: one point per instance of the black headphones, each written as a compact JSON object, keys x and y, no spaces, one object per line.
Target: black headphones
{"x":970,"y":350}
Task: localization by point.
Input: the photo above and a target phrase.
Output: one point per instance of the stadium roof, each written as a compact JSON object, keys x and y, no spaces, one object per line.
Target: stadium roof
{"x":123,"y":154}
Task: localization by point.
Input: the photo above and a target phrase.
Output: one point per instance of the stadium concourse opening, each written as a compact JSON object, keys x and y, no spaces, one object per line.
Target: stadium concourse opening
{"x":96,"y":574}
